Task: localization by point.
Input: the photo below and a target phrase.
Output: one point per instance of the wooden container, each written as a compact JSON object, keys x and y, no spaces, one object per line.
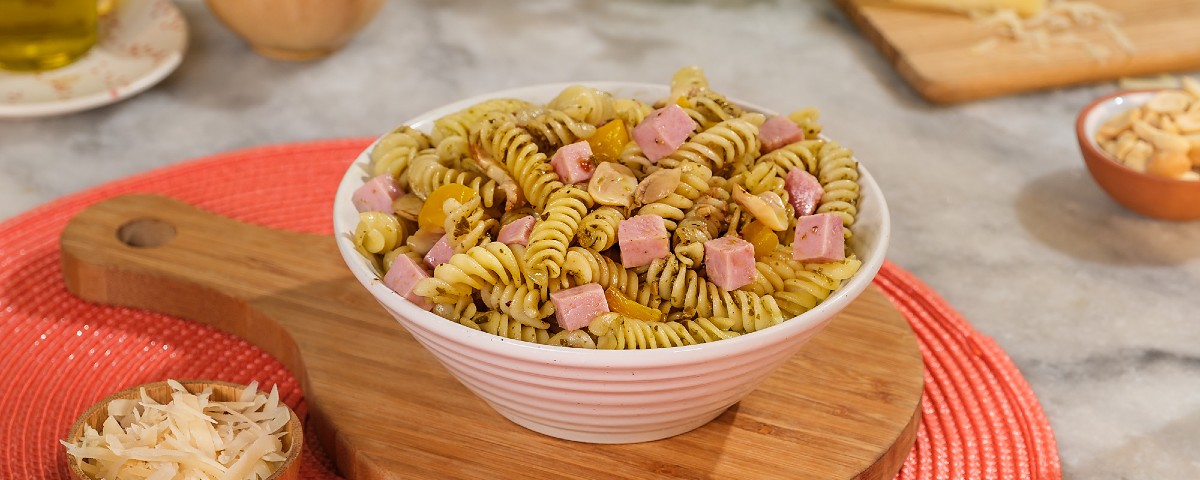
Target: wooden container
{"x":293,"y":440}
{"x":295,"y":29}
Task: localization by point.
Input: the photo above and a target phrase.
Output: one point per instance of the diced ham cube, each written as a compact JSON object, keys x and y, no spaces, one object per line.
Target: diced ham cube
{"x":642,"y":239}
{"x":404,"y":276}
{"x":517,"y":231}
{"x":573,"y":163}
{"x":376,"y":195}
{"x":804,"y":191}
{"x":663,"y":131}
{"x":729,"y":262}
{"x":778,"y":131}
{"x":440,"y":253}
{"x":819,"y":239}
{"x":575,"y":307}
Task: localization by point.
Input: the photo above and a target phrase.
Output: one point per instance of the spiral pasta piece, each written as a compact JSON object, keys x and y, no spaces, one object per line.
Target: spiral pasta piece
{"x":520,"y":302}
{"x":460,"y":123}
{"x":513,"y":146}
{"x":598,"y":229}
{"x":725,"y":143}
{"x":395,"y":150}
{"x":585,"y":104}
{"x":467,"y":226}
{"x":760,"y":178}
{"x":708,"y":108}
{"x":686,"y":290}
{"x":808,"y":121}
{"x":498,"y":323}
{"x":800,"y":154}
{"x":378,"y":233}
{"x":838,"y":173}
{"x":631,"y":110}
{"x":427,"y":174}
{"x":584,"y":265}
{"x":478,"y":268}
{"x":700,"y":224}
{"x":632,"y":156}
{"x":553,"y":129}
{"x":462,"y":309}
{"x":550,"y":238}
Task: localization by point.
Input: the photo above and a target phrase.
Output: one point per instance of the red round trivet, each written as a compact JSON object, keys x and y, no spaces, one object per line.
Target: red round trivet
{"x":58,"y":354}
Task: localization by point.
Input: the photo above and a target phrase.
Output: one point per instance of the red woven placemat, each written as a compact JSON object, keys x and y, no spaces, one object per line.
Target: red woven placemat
{"x":58,"y":354}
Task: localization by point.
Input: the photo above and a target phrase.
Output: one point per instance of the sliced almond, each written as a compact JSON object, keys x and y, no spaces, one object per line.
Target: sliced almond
{"x":1169,"y":101}
{"x":1194,"y":156}
{"x":1125,"y":143}
{"x":1168,"y":124}
{"x":658,"y":185}
{"x":612,"y":184}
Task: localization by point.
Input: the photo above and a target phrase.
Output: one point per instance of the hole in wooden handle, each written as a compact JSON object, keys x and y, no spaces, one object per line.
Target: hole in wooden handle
{"x":146,"y":233}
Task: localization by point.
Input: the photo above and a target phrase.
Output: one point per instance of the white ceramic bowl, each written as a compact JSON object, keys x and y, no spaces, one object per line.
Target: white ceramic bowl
{"x":604,"y":396}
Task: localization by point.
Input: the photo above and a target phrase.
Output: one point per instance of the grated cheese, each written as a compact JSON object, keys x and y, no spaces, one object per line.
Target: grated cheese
{"x":1058,"y":25}
{"x":189,"y":437}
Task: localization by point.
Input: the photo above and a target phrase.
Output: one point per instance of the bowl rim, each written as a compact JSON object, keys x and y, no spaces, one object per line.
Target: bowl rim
{"x":566,"y":356}
{"x":1087,"y":140}
{"x":291,"y":461}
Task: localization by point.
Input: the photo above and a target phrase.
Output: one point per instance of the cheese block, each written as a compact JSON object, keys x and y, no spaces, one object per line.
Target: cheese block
{"x":1026,"y":8}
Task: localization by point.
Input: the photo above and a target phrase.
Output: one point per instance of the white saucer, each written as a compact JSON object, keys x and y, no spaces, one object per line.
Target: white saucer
{"x":140,"y":44}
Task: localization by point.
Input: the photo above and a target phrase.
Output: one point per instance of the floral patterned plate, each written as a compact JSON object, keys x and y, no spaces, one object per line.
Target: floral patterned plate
{"x":140,"y":44}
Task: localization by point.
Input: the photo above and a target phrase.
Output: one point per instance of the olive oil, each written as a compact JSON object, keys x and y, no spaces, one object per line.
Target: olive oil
{"x":45,"y":34}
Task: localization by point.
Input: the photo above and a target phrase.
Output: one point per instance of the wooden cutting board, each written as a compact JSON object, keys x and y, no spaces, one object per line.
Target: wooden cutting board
{"x":936,"y":52}
{"x":846,"y":407}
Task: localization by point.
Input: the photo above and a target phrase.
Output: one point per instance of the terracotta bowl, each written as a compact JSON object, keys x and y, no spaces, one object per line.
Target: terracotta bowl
{"x":293,"y":440}
{"x":295,"y":29}
{"x":1150,"y":195}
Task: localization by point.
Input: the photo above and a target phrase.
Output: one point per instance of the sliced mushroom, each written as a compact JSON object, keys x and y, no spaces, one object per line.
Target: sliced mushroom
{"x":658,"y":185}
{"x":612,"y":184}
{"x":513,"y":198}
{"x":422,"y":240}
{"x":766,"y":207}
{"x":408,"y":206}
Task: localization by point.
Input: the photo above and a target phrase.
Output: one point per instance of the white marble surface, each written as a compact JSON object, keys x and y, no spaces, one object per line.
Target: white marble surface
{"x":991,"y":204}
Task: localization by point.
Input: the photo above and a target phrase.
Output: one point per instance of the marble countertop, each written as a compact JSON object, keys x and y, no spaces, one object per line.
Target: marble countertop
{"x":991,"y":204}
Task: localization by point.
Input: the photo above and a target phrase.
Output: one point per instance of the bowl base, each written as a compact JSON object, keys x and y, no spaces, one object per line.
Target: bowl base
{"x":293,"y":55}
{"x":609,"y":438}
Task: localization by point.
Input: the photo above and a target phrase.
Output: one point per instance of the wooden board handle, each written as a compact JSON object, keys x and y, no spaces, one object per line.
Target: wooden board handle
{"x":386,"y":409}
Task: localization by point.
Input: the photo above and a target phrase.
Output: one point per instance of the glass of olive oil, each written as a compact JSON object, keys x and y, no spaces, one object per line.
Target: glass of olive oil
{"x":45,"y":34}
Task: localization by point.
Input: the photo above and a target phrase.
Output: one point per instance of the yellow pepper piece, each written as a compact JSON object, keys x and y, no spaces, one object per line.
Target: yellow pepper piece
{"x":628,"y":307}
{"x":683,"y":102}
{"x":609,"y":140}
{"x":431,"y":215}
{"x":764,"y":239}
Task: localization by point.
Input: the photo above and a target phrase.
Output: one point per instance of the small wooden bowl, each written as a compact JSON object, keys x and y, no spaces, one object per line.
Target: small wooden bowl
{"x":1150,"y":195}
{"x":293,"y":441}
{"x":295,"y":30}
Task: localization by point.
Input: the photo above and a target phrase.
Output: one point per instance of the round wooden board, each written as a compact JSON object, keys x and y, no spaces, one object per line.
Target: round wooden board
{"x":846,"y":407}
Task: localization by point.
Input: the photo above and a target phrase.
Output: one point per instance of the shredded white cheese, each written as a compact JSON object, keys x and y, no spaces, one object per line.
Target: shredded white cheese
{"x":190,"y":437}
{"x":1056,"y":26}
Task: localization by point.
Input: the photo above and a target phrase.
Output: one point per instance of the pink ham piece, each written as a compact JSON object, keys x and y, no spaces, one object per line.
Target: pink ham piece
{"x":804,"y":191}
{"x":376,"y":195}
{"x":516,"y":231}
{"x":778,"y":131}
{"x":575,"y":307}
{"x":663,"y":131}
{"x":642,"y":238}
{"x":403,"y":277}
{"x":729,"y":262}
{"x":440,"y":253}
{"x":819,"y":239}
{"x":573,"y":163}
